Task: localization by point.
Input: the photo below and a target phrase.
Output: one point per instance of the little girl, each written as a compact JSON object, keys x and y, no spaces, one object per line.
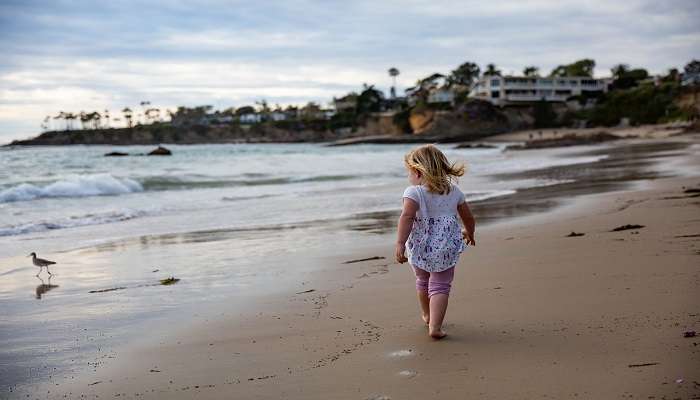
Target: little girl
{"x":429,"y":232}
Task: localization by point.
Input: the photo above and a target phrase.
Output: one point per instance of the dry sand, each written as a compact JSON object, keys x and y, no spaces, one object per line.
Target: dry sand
{"x":656,"y":131}
{"x":533,"y":314}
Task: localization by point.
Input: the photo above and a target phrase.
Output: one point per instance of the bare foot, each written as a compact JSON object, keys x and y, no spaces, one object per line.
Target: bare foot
{"x":426,"y":319}
{"x":437,"y":333}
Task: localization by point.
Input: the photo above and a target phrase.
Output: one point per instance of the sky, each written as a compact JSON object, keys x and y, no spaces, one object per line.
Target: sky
{"x":94,"y":56}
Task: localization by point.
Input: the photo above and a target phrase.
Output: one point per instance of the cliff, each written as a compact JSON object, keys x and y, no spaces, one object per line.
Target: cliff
{"x":472,"y":120}
{"x":163,"y":133}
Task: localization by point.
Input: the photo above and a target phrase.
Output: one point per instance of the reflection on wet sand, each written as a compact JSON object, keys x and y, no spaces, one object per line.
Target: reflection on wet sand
{"x":204,"y":236}
{"x":43,"y":287}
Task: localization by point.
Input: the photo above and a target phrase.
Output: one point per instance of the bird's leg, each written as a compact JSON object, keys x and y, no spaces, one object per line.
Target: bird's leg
{"x":47,"y":270}
{"x":40,"y":268}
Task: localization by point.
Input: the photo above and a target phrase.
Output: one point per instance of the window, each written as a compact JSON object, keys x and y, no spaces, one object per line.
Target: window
{"x":495,"y":82}
{"x":495,"y":94}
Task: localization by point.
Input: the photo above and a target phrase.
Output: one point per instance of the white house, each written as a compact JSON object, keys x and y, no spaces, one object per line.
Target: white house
{"x":503,"y":90}
{"x":441,"y":95}
{"x":250,"y":118}
{"x":278,"y":116}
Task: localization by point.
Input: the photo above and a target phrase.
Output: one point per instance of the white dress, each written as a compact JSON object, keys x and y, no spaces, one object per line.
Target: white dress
{"x":435,"y":241}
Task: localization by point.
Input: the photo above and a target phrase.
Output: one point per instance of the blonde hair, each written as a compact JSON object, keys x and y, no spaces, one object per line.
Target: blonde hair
{"x":436,"y":171}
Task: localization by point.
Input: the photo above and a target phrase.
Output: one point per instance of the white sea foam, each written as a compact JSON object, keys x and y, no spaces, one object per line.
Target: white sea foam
{"x":75,"y":186}
{"x":72,"y":222}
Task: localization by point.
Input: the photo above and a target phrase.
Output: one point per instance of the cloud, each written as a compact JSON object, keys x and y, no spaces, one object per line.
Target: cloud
{"x":73,"y":55}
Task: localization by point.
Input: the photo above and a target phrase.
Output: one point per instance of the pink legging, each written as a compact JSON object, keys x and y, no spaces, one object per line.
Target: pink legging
{"x":434,"y":282}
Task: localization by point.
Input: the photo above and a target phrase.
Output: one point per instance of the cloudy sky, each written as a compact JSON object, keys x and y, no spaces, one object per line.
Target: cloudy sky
{"x":86,"y":55}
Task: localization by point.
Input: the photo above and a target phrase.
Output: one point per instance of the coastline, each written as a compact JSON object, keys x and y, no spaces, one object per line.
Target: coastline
{"x":143,"y":136}
{"x":533,"y":312}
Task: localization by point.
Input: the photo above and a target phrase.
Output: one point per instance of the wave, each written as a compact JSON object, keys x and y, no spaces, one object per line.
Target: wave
{"x":480,"y":196}
{"x":76,"y":186}
{"x":72,"y":222}
{"x":169,"y":183}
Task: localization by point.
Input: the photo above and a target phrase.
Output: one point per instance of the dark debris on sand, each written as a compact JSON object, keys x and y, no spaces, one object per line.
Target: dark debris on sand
{"x":575,"y":234}
{"x":627,"y":227}
{"x":169,"y":281}
{"x":364,"y":259}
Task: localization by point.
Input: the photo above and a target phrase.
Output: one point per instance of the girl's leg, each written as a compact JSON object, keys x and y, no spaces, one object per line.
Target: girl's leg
{"x":422,"y":278}
{"x":439,"y":287}
{"x":438,"y":307}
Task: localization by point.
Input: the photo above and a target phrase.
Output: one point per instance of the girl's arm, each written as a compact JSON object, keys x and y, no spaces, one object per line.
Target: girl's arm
{"x":408,"y":214}
{"x":469,"y":222}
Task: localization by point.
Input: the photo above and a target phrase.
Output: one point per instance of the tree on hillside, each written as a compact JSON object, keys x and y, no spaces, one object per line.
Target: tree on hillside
{"x":625,"y":78}
{"x":311,"y":111}
{"x":692,"y":67}
{"x":582,"y":67}
{"x":393,"y":73}
{"x":84,"y":119}
{"x":61,"y":116}
{"x":69,"y":117}
{"x":152,"y":114}
{"x":619,"y":70}
{"x":263,"y":109}
{"x":531,"y":71}
{"x":46,"y":123}
{"x":673,"y":75}
{"x":369,"y":100}
{"x":429,"y":80}
{"x":464,"y":75}
{"x":128,"y":114}
{"x":95,"y":117}
{"x":143,"y":104}
{"x":245,"y":110}
{"x":491,"y":70}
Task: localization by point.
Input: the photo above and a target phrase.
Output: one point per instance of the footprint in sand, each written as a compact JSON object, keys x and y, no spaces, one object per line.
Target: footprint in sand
{"x":408,"y":374}
{"x":401,"y":353}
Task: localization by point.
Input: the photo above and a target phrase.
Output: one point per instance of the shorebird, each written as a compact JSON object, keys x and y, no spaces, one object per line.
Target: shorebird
{"x":41,"y":263}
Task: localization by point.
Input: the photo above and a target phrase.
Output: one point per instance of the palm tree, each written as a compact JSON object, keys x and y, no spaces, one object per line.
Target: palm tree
{"x":531,"y":71}
{"x":62,"y":115}
{"x":152,"y":115}
{"x":491,"y":70}
{"x":143,"y":109}
{"x":127,"y":116}
{"x":69,"y":117}
{"x":619,"y":70}
{"x":393,"y":73}
{"x":84,"y":119}
{"x":106,"y":115}
{"x":96,"y":117}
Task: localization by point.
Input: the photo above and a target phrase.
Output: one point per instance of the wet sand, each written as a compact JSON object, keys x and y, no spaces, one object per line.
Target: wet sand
{"x":534,"y":313}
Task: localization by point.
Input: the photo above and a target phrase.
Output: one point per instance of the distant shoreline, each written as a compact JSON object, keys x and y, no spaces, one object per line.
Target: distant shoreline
{"x":139,"y":136}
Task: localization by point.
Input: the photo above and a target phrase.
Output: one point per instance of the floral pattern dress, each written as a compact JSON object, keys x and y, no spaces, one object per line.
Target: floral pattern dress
{"x":435,"y":241}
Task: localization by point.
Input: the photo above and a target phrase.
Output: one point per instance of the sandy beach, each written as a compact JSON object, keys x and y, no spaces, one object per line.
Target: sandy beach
{"x":534,"y":313}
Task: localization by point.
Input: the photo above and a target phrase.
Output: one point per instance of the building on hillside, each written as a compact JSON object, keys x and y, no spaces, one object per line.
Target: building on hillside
{"x":278,"y":116}
{"x":346,"y":103}
{"x":328,"y":113}
{"x":250,"y":118}
{"x":509,"y":90}
{"x":441,"y":95}
{"x":690,"y":79}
